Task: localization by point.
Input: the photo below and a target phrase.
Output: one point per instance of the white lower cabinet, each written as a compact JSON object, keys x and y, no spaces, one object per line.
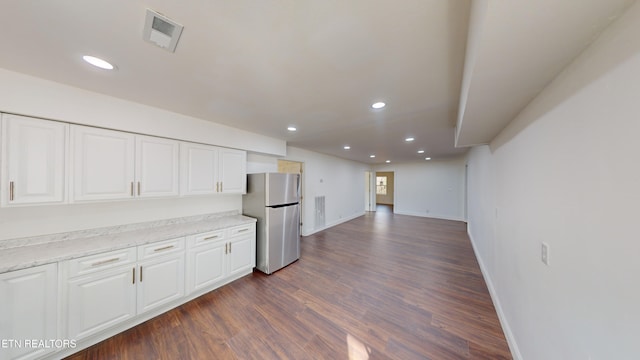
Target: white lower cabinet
{"x":28,"y":311}
{"x":103,"y":290}
{"x":99,"y":291}
{"x":242,"y":250}
{"x":205,"y":260}
{"x":161,"y":274}
{"x":99,"y":301}
{"x":102,"y":294}
{"x":215,"y":258}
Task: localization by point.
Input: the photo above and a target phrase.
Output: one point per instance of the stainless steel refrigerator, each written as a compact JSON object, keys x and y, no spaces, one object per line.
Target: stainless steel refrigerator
{"x":274,"y":199}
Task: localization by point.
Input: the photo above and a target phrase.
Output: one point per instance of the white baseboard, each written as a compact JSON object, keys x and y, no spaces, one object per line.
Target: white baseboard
{"x":334,"y":223}
{"x":427,"y":215}
{"x":511,"y":340}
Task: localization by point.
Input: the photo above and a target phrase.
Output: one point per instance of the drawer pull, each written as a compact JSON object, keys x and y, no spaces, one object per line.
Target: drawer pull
{"x":103,"y":262}
{"x":210,"y":238}
{"x":164,"y":248}
{"x":243,"y":230}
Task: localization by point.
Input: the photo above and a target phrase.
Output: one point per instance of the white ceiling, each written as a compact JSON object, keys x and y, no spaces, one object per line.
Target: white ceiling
{"x":317,"y":64}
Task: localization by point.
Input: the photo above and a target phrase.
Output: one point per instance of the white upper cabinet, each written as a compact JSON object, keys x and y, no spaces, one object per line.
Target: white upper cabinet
{"x":103,"y":166}
{"x":212,"y":170}
{"x":50,"y":162}
{"x":111,"y":165}
{"x":199,"y":165}
{"x":34,"y":161}
{"x":157,"y":169}
{"x":232,"y":171}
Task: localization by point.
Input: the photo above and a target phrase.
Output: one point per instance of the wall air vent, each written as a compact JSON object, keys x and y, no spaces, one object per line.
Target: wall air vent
{"x":161,"y":31}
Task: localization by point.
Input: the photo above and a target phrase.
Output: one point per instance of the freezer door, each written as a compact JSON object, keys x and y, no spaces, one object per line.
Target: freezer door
{"x":282,"y":188}
{"x":284,"y":236}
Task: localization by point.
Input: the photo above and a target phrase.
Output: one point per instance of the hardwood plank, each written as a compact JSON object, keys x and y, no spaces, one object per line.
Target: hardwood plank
{"x":381,"y":286}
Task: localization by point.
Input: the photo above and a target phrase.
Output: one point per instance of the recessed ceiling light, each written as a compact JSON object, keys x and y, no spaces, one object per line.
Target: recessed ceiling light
{"x":292,"y":128}
{"x":97,"y":62}
{"x":420,"y":151}
{"x":388,"y":161}
{"x":427,"y":158}
{"x":409,"y":139}
{"x":372,"y":156}
{"x":378,"y":105}
{"x":347,"y":147}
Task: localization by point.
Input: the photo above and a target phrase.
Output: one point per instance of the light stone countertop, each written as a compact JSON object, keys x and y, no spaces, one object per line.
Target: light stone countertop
{"x":23,"y":253}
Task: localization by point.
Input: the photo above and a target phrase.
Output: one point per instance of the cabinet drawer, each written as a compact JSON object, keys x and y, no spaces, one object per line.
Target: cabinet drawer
{"x":160,"y":248}
{"x":242,"y":230}
{"x":206,"y":238}
{"x":102,"y":261}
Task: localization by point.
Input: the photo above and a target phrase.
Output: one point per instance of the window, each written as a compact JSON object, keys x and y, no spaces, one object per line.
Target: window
{"x":381,"y":185}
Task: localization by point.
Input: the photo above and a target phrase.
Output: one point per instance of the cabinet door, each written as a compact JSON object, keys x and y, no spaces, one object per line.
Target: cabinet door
{"x":99,"y":301}
{"x":156,"y":167}
{"x":34,"y":158}
{"x":241,"y":256}
{"x":205,"y":266}
{"x":199,"y":167}
{"x":161,"y":281}
{"x":232,"y":172}
{"x":103,"y":166}
{"x":28,"y":310}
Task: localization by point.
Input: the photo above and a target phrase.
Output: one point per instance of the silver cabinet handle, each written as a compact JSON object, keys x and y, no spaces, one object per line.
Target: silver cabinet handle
{"x":243,"y":230}
{"x":133,"y":279}
{"x":11,"y":190}
{"x":210,"y":238}
{"x":229,"y":248}
{"x":138,"y":188}
{"x":140,"y":273}
{"x":103,"y":262}
{"x":132,"y":194}
{"x":163,"y":248}
{"x":226,"y":248}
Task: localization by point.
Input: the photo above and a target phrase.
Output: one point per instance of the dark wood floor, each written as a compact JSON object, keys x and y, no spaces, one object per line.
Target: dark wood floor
{"x":382,"y":286}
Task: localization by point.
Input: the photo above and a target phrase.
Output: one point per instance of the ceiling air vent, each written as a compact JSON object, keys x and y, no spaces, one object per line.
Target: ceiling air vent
{"x":161,"y":31}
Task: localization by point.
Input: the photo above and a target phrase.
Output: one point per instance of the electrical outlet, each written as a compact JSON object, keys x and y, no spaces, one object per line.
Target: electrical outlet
{"x":544,"y":254}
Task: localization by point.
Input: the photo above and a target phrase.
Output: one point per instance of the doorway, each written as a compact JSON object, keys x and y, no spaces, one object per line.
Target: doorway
{"x":369,"y":191}
{"x":294,"y":167}
{"x":385,"y":189}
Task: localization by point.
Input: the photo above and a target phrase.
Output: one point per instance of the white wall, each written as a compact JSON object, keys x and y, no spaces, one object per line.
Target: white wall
{"x":26,"y":95}
{"x":566,"y":172}
{"x":340,"y":181}
{"x":259,"y":163}
{"x":31,"y":96}
{"x":429,"y":188}
{"x":40,"y":220}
